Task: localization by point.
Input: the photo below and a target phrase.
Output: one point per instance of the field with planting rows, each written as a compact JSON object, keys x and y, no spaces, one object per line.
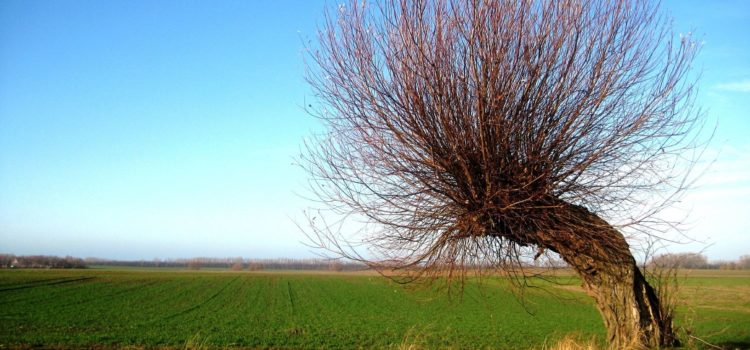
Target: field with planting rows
{"x":109,"y":308}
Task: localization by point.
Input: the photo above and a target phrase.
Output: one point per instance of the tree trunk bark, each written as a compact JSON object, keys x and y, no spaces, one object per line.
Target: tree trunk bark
{"x":630,"y":307}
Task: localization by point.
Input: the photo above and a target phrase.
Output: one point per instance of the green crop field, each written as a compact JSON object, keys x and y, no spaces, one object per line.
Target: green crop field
{"x":177,"y":309}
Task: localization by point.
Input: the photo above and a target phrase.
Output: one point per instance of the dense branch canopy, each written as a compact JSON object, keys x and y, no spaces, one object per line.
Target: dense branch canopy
{"x":465,"y":129}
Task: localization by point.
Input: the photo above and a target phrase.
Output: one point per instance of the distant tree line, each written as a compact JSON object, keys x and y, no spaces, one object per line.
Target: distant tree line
{"x":698,"y":261}
{"x":236,"y":264}
{"x":671,"y":260}
{"x":10,"y":261}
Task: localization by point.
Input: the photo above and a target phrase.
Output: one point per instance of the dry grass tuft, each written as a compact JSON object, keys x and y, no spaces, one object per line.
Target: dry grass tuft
{"x":573,"y":342}
{"x":414,"y":339}
{"x":197,"y":342}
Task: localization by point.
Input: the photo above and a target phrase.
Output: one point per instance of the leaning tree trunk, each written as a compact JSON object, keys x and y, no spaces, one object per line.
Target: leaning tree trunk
{"x":599,"y":253}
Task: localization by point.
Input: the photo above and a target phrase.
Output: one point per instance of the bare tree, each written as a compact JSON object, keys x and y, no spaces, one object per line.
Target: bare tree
{"x":474,"y":135}
{"x":194,"y":264}
{"x":680,"y":260}
{"x":744,"y":262}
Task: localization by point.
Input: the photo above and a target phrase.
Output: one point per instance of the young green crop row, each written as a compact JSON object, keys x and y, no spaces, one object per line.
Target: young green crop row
{"x":224,"y":309}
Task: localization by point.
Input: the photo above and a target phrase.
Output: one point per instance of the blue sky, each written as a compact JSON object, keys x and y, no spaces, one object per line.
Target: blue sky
{"x":141,"y":129}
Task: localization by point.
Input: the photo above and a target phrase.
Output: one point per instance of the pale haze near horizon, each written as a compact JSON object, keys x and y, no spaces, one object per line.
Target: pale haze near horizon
{"x":140,"y":130}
